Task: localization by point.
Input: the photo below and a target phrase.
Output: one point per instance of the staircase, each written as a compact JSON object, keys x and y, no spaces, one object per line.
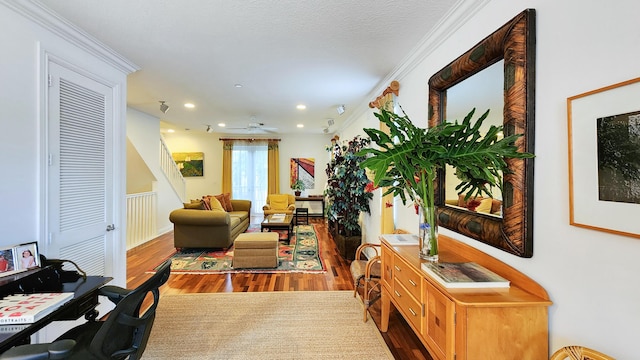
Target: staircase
{"x":142,"y":211}
{"x":171,"y":171}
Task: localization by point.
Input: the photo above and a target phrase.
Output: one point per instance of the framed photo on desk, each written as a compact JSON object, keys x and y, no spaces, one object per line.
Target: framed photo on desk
{"x":18,"y":258}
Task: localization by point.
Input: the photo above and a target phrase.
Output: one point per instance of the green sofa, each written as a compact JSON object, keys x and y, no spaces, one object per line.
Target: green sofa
{"x":195,"y":228}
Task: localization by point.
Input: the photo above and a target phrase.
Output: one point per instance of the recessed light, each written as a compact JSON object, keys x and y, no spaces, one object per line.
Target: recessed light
{"x":301,"y":106}
{"x":222,"y":124}
{"x":300,"y":125}
{"x":238,"y":85}
{"x":171,"y":131}
{"x":189,"y":105}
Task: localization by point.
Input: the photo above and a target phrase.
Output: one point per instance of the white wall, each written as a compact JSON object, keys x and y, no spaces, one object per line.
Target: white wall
{"x":307,"y":146}
{"x":589,"y":275}
{"x":22,"y":115}
{"x":143,"y":131}
{"x":290,"y":146}
{"x":140,"y":179}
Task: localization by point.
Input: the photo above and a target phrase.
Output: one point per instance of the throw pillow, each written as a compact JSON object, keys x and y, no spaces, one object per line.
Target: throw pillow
{"x":485,"y":205}
{"x":206,"y":202}
{"x":194,"y":205}
{"x":227,"y":202}
{"x":496,"y":207}
{"x":215,"y":204}
{"x":461,"y":201}
{"x":220,"y":198}
{"x":279,"y":202}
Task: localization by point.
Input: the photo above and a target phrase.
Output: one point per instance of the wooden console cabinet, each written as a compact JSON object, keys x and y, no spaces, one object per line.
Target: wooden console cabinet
{"x":465,"y":324}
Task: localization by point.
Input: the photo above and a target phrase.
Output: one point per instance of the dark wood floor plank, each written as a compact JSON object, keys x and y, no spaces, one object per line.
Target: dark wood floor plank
{"x":401,"y":340}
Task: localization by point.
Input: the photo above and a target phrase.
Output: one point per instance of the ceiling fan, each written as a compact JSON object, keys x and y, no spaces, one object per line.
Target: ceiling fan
{"x":255,"y":127}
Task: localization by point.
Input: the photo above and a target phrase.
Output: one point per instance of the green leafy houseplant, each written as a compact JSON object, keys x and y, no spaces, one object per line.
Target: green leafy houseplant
{"x":407,"y":160}
{"x":298,"y":186}
{"x":346,"y":189}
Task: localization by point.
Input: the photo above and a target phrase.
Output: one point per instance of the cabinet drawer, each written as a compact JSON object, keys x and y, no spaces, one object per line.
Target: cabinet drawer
{"x":408,"y":277}
{"x":438,"y":326}
{"x":387,"y":266}
{"x":409,"y":306}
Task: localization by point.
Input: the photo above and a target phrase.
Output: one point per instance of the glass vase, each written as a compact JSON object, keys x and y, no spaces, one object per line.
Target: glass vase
{"x":428,"y":233}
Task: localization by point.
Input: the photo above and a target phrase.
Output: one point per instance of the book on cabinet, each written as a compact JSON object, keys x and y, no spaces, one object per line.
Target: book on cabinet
{"x":400,"y":239}
{"x":464,"y":275}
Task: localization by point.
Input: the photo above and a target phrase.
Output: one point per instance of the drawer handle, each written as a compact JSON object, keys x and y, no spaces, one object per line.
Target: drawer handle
{"x":412,"y":283}
{"x":397,"y":268}
{"x":397,"y":293}
{"x":412,"y":312}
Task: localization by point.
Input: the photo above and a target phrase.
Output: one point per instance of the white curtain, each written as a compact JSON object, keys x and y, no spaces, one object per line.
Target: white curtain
{"x":250,"y":174}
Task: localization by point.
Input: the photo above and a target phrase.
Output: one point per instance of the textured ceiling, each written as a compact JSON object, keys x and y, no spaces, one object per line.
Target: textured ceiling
{"x":283,"y":52}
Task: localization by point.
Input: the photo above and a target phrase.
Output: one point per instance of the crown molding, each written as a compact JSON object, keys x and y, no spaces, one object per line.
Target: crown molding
{"x":454,"y":19}
{"x":51,"y":21}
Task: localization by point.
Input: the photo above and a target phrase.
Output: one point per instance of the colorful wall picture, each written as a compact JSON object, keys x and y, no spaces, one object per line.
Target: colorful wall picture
{"x":189,"y":163}
{"x":303,"y":169}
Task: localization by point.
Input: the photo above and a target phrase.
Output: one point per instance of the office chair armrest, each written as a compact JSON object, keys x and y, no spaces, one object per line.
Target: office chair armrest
{"x":114,"y":293}
{"x":60,"y":349}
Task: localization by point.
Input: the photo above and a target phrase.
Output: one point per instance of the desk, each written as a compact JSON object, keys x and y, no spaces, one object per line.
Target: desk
{"x":84,"y":301}
{"x":313,"y":198}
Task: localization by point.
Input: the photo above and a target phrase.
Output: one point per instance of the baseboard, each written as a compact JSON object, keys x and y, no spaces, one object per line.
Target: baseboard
{"x":165,"y":230}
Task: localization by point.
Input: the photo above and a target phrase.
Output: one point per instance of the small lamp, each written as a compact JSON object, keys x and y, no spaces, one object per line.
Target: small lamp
{"x":164,"y":107}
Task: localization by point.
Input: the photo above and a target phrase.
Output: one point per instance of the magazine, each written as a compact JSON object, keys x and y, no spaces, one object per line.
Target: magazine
{"x":464,"y":275}
{"x":29,"y":308}
{"x":401,"y":239}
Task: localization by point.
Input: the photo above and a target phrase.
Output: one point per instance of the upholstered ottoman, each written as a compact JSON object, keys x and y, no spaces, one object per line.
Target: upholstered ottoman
{"x":256,"y":250}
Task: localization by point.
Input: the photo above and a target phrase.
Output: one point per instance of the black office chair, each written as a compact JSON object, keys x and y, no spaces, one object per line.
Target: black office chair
{"x":123,"y":334}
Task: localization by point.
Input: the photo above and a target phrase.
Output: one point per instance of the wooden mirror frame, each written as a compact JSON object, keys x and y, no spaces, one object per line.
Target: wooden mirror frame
{"x":514,"y":43}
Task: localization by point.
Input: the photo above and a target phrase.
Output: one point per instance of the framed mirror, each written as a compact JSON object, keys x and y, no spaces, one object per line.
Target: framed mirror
{"x":514,"y":45}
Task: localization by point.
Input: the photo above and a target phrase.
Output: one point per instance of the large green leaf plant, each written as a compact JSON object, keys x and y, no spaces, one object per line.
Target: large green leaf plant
{"x":346,"y":186}
{"x":406,"y":160}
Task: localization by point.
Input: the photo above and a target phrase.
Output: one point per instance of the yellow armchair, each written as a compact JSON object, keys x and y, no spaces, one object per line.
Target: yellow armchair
{"x":279,"y":204}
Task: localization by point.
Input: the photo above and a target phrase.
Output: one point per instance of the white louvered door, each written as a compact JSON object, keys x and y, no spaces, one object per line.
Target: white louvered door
{"x":80,"y":178}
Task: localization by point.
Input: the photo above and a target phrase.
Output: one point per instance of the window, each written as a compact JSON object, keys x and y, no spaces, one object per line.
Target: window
{"x":249,"y":169}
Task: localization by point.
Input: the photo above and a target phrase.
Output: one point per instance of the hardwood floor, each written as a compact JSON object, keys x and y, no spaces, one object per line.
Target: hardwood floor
{"x":400,"y":338}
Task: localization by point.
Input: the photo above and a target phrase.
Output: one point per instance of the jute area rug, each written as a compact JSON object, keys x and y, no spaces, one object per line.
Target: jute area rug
{"x":264,"y":325}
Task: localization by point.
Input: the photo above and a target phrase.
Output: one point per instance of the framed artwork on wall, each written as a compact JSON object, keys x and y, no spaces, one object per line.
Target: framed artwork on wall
{"x":189,"y":163}
{"x":303,"y":169}
{"x":604,"y":159}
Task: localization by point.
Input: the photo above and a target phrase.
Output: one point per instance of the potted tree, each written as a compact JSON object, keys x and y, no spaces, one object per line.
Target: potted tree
{"x":407,"y":159}
{"x":346,"y":194}
{"x":298,"y":187}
